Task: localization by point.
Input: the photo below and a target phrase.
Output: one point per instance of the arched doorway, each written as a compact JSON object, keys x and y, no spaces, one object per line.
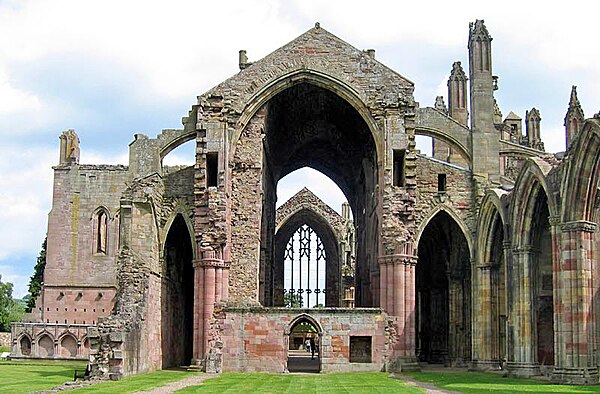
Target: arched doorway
{"x":178,"y":296}
{"x":304,"y":351}
{"x":309,"y":126}
{"x":443,"y":293}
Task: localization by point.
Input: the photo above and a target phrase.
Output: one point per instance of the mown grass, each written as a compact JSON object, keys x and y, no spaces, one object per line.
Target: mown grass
{"x":4,"y":349}
{"x":477,"y":382}
{"x":28,"y":376}
{"x":131,"y":384}
{"x":360,"y":382}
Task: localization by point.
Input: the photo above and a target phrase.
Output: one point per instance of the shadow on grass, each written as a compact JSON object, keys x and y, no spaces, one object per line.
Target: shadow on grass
{"x":478,"y":382}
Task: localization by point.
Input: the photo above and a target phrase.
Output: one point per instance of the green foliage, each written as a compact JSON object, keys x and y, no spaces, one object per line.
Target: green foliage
{"x":292,"y":300}
{"x":36,"y":280}
{"x":303,"y":327}
{"x":10,"y":309}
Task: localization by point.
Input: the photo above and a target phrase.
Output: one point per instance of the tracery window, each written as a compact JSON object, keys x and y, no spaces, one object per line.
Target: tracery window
{"x":304,"y":269}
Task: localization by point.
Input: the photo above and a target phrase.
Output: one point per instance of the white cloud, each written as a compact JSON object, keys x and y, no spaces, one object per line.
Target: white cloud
{"x":25,"y":198}
{"x":13,"y":99}
{"x":95,"y":157}
{"x":20,"y":282}
{"x":318,"y":183}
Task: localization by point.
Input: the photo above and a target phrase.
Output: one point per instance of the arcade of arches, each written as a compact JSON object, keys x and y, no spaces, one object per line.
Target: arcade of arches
{"x":483,"y":255}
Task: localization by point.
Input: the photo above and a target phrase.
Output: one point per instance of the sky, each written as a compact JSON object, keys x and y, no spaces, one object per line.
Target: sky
{"x":111,"y":69}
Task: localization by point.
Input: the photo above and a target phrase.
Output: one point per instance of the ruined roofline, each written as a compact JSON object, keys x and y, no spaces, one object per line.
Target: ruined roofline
{"x":457,"y":167}
{"x":316,"y":29}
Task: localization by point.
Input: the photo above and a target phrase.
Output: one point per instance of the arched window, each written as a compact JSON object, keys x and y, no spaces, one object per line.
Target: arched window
{"x":304,"y":269}
{"x":101,"y":232}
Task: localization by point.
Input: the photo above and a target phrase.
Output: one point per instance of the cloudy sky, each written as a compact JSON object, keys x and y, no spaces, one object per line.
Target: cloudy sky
{"x":110,"y":69}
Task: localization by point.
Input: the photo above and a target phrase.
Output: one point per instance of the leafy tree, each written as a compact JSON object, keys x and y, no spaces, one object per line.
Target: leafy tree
{"x":36,"y":280}
{"x":292,"y":300}
{"x":10,"y":310}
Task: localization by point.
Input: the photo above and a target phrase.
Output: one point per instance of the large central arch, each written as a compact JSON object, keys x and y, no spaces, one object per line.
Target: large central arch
{"x":307,"y":125}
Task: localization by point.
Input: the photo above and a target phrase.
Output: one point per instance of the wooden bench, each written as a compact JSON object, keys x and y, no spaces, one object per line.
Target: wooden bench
{"x":79,"y":374}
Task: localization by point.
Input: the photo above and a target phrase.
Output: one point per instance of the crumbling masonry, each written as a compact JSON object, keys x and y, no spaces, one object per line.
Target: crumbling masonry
{"x":484,"y":255}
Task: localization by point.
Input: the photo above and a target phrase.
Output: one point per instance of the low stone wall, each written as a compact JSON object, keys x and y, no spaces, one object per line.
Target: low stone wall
{"x":49,"y":341}
{"x":257,"y":339}
{"x":5,"y":339}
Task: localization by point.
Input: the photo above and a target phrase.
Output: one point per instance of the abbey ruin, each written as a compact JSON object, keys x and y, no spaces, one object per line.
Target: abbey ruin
{"x":484,"y":255}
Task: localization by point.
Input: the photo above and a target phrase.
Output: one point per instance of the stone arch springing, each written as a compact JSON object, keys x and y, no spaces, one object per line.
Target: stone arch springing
{"x":177,"y":306}
{"x":448,"y":139}
{"x":582,"y":181}
{"x":443,"y":291}
{"x":317,"y":78}
{"x":180,"y":210}
{"x":452,"y":213}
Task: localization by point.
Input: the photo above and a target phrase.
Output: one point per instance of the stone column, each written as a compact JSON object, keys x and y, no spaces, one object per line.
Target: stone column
{"x":483,"y":319}
{"x":198,"y":312}
{"x":522,"y":361}
{"x":397,"y":288}
{"x":575,"y":357}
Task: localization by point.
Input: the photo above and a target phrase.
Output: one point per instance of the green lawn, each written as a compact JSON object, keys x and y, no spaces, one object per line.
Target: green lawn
{"x":360,"y":382}
{"x":132,"y":384}
{"x":4,"y":349}
{"x":477,"y":382}
{"x":28,"y":376}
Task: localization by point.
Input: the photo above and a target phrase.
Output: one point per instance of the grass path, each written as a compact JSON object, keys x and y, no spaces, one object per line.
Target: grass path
{"x":360,"y":382}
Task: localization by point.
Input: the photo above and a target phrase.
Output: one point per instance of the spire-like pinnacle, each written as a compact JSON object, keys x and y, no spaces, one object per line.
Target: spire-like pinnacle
{"x":574,"y":110}
{"x":457,"y":72}
{"x":478,"y":30}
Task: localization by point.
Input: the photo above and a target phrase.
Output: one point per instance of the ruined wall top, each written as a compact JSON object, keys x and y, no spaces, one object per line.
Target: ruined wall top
{"x":316,"y":52}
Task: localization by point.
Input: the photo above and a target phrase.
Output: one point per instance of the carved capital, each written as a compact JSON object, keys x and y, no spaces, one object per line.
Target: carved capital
{"x":554,"y":220}
{"x":211,"y":263}
{"x":525,"y":249}
{"x":579,"y":226}
{"x":406,"y":259}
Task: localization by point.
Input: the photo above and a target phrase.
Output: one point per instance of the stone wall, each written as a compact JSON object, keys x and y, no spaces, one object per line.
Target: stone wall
{"x":458,"y":197}
{"x":257,"y":339}
{"x":57,"y":341}
{"x":5,"y":339}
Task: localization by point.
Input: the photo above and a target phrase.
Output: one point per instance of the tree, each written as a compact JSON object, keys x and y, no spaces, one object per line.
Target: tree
{"x":292,"y":300}
{"x":36,"y":280}
{"x":10,"y":310}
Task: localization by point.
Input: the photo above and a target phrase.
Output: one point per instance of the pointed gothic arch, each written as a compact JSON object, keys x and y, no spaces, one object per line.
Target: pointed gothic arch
{"x":582,"y":181}
{"x":329,"y":245}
